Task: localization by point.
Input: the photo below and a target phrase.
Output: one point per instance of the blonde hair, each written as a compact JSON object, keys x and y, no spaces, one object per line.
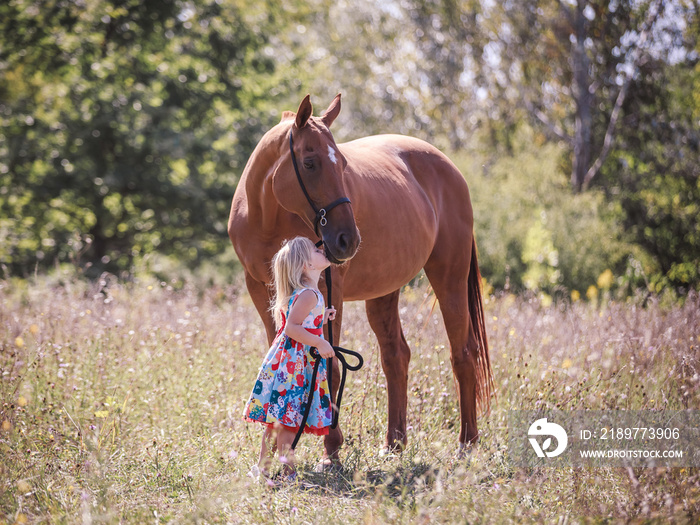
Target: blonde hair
{"x":288,"y":273}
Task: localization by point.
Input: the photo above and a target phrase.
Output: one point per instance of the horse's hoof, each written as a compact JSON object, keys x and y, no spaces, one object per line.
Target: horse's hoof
{"x":387,"y":453}
{"x":465,"y":450}
{"x":328,"y":465}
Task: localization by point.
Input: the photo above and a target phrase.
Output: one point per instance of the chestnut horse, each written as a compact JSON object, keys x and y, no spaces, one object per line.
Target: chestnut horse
{"x":411,"y":206}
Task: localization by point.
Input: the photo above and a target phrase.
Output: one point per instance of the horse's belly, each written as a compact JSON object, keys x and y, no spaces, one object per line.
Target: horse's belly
{"x":361,"y":286}
{"x":389,"y":257}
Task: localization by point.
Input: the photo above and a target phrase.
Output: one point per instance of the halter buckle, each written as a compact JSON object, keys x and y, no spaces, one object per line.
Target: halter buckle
{"x":322,"y":217}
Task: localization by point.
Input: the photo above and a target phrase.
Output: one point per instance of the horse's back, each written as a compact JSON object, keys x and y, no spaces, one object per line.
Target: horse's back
{"x":386,"y":155}
{"x":401,"y":162}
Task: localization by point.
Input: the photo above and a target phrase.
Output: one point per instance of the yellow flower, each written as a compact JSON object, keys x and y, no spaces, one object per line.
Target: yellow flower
{"x":19,"y":342}
{"x":102,"y":414}
{"x":546,"y":300}
{"x":606,"y":279}
{"x":34,"y":329}
{"x":23,"y":487}
{"x":567,"y":363}
{"x":575,"y":295}
{"x":592,"y":292}
{"x":22,"y":401}
{"x":6,"y":426}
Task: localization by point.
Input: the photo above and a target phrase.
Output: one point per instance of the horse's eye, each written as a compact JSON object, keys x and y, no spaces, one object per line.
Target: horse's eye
{"x":308,"y":164}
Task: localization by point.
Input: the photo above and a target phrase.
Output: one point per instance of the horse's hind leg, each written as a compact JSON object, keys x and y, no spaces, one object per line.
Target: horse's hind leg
{"x":383,"y":316}
{"x":447,"y":270}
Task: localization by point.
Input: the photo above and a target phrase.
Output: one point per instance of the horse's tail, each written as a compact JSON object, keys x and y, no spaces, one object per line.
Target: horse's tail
{"x":484,"y":377}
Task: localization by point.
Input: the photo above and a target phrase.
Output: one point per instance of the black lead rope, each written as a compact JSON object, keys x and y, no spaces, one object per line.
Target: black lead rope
{"x":339,"y":351}
{"x":336,"y":409}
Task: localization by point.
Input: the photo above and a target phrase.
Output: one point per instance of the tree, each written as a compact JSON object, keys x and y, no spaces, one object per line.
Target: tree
{"x":125,"y":123}
{"x":566,"y":65}
{"x":654,"y":171}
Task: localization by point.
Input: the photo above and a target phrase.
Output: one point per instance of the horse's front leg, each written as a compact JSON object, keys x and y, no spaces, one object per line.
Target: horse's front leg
{"x":334,"y":439}
{"x":383,"y":316}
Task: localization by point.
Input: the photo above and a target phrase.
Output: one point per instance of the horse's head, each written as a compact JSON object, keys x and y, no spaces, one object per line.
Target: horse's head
{"x":309,"y":180}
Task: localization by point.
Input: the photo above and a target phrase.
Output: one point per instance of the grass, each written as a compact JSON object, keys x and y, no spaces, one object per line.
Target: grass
{"x":121,"y":404}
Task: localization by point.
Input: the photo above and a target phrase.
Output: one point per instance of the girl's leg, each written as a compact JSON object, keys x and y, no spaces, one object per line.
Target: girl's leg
{"x":285,"y":438}
{"x":268,"y":448}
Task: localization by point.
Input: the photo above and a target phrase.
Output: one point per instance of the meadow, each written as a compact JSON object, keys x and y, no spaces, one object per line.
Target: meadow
{"x":121,"y":403}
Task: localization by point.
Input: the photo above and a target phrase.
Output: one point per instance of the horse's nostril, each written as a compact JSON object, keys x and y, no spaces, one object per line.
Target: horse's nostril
{"x":342,"y":242}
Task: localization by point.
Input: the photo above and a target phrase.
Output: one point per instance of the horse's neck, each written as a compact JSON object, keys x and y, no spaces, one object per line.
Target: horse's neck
{"x":262,"y":204}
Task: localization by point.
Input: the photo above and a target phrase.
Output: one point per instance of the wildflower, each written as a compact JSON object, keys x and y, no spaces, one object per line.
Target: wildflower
{"x":592,"y":292}
{"x":567,"y":363}
{"x":546,"y":300}
{"x":606,"y":279}
{"x":22,"y":401}
{"x":23,"y":487}
{"x":19,"y":342}
{"x":34,"y":329}
{"x":102,"y":414}
{"x":6,"y":425}
{"x":575,"y":295}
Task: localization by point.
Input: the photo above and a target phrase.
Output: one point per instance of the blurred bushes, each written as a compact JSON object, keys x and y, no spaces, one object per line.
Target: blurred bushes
{"x":533,"y":233}
{"x":124,"y":126}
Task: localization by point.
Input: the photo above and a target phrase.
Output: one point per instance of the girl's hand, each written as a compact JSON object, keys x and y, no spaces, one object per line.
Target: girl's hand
{"x":325,"y":349}
{"x":329,"y":315}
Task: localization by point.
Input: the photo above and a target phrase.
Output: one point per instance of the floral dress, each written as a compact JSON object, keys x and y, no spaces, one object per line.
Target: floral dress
{"x":282,"y":389}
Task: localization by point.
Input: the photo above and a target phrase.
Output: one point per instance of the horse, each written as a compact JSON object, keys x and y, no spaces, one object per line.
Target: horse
{"x":385,"y":207}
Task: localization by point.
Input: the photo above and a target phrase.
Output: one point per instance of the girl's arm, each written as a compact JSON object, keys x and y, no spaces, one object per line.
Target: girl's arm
{"x":300,"y":309}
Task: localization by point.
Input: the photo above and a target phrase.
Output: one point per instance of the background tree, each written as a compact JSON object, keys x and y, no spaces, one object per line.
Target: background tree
{"x":125,"y":124}
{"x":654,"y":169}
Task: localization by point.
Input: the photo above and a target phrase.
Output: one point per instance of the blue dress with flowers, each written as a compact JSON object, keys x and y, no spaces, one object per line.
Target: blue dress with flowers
{"x":282,"y":388}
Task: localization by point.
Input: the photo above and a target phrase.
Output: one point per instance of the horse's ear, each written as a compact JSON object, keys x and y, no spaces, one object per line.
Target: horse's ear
{"x":332,"y":112}
{"x":305,"y":111}
{"x":286,"y":115}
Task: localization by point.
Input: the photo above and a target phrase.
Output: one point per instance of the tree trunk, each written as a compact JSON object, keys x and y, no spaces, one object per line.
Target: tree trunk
{"x":582,"y":97}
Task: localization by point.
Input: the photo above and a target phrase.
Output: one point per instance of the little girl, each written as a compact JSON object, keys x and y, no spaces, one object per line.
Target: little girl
{"x":283,"y":385}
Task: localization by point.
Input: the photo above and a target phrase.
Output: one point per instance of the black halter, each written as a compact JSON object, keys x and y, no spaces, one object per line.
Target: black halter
{"x":320,"y":218}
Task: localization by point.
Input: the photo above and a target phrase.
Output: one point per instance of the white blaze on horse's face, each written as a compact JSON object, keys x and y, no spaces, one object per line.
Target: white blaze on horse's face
{"x":331,"y":154}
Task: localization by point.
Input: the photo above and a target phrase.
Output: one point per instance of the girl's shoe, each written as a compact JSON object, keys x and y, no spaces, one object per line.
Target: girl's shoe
{"x":282,"y":480}
{"x":256,"y":473}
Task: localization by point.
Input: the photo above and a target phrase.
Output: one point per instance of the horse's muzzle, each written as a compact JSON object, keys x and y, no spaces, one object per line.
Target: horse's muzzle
{"x":342,"y":247}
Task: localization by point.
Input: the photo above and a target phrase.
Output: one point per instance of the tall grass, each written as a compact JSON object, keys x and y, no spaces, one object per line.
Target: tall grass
{"x":121,"y":404}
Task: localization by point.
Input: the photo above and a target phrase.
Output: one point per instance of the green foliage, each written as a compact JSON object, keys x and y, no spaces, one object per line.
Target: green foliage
{"x":654,"y":174}
{"x":532,"y":232}
{"x":125,"y":125}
